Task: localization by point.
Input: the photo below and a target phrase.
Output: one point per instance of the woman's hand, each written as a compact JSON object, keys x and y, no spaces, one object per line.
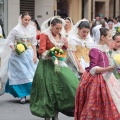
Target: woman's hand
{"x":110,"y":69}
{"x":35,"y":59}
{"x":81,"y":70}
{"x":65,"y":41}
{"x":12,"y":47}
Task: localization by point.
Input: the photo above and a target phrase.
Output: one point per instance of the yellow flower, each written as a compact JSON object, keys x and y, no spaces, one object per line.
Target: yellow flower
{"x":119,"y":29}
{"x":20,"y":47}
{"x":117,"y":58}
{"x":61,"y":51}
{"x":52,"y":49}
{"x":1,"y":36}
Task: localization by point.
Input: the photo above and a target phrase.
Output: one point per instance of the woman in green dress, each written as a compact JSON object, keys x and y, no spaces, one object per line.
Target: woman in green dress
{"x":52,"y":91}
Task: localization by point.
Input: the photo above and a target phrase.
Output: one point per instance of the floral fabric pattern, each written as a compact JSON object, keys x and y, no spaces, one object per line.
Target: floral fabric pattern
{"x":93,"y":99}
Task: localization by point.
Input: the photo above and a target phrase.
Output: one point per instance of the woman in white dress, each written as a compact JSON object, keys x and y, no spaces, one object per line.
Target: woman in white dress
{"x":68,"y":26}
{"x":111,"y":28}
{"x":80,"y":44}
{"x":5,"y":52}
{"x":22,"y":67}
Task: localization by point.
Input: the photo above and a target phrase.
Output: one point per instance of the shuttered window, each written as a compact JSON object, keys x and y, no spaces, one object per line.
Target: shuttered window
{"x":62,"y":8}
{"x":27,"y":5}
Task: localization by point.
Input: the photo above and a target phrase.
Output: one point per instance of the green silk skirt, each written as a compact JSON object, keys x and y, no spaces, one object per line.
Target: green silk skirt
{"x":52,"y":92}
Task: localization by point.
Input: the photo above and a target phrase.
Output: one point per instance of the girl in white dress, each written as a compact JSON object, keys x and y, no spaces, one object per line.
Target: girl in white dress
{"x":111,"y":28}
{"x":22,"y":67}
{"x":68,"y":26}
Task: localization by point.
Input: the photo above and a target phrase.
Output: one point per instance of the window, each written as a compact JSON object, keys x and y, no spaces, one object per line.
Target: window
{"x":29,"y":6}
{"x":62,"y":8}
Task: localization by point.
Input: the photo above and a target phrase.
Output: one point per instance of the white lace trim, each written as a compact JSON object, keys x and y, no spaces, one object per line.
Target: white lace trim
{"x":114,"y":88}
{"x":62,"y":63}
{"x":93,"y":70}
{"x":76,"y":40}
{"x":52,"y":39}
{"x":44,"y":54}
{"x":105,"y":75}
{"x":103,"y":48}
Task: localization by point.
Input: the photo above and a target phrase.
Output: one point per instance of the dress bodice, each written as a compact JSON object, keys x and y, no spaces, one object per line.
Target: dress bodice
{"x":25,"y":39}
{"x":82,"y":52}
{"x":23,"y":34}
{"x":46,"y":44}
{"x":98,"y":58}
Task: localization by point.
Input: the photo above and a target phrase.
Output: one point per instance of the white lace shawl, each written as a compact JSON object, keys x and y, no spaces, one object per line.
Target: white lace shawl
{"x":52,"y":39}
{"x":56,"y":44}
{"x":74,"y":40}
{"x":5,"y":52}
{"x":45,"y":27}
{"x":21,"y":32}
{"x":96,"y":33}
{"x":1,"y":30}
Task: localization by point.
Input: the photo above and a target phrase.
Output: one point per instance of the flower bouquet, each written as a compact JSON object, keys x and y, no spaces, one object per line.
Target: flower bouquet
{"x":20,"y":47}
{"x":117,"y":29}
{"x":1,"y":36}
{"x":116,"y":59}
{"x":57,"y":54}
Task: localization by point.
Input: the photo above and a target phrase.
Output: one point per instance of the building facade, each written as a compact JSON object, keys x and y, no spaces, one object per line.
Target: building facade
{"x":41,"y":10}
{"x":106,"y":8}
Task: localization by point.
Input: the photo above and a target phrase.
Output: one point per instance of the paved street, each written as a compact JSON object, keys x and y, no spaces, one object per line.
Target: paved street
{"x":11,"y":109}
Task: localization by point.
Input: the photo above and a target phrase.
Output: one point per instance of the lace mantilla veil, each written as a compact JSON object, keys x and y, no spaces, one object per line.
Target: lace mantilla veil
{"x":47,"y":30}
{"x":96,"y":33}
{"x":45,"y":27}
{"x":5,"y":52}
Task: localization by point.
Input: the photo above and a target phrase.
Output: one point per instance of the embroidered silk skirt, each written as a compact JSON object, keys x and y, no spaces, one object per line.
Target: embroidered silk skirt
{"x":94,"y":100}
{"x":52,"y":92}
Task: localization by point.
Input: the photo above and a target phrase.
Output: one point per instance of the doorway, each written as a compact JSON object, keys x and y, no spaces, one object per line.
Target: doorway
{"x":62,"y":8}
{"x":100,"y":8}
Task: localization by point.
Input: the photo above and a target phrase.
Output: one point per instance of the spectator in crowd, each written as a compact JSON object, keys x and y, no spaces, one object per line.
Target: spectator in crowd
{"x":115,"y":21}
{"x":1,"y":29}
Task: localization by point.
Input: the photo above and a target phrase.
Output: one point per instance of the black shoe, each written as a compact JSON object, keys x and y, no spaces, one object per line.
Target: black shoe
{"x":47,"y":118}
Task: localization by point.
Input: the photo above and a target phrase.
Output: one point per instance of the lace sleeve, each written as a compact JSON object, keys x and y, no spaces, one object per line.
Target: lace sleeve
{"x":11,"y":37}
{"x":93,"y":70}
{"x":72,"y":47}
{"x":34,"y":40}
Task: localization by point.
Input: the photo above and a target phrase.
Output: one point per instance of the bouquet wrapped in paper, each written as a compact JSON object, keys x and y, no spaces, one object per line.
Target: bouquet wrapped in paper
{"x":57,"y":54}
{"x":20,"y":47}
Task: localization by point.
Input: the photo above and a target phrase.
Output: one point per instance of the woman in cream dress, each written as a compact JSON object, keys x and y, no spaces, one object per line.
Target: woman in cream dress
{"x":80,"y":43}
